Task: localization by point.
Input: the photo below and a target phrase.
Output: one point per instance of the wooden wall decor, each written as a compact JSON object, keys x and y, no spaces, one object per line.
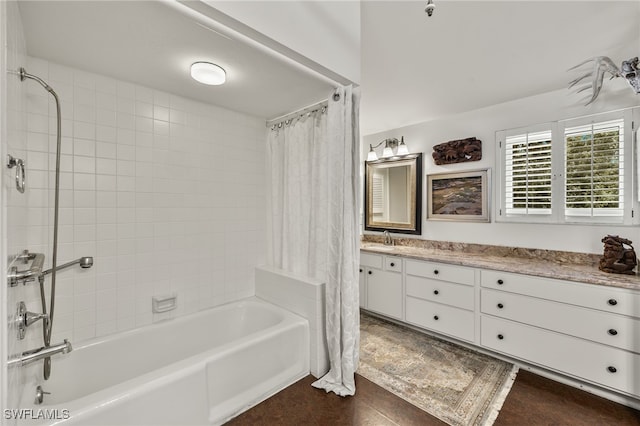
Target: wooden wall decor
{"x":458,"y":151}
{"x":619,"y":256}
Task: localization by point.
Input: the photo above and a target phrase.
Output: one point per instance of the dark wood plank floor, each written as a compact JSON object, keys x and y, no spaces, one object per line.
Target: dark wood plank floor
{"x":533,"y":400}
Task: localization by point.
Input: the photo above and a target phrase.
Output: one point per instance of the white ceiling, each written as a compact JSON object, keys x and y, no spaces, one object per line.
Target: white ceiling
{"x":468,"y":55}
{"x":472,"y":54}
{"x":152,"y":44}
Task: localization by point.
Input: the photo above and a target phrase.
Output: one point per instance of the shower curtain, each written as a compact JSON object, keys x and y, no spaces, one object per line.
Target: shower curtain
{"x":313,"y":219}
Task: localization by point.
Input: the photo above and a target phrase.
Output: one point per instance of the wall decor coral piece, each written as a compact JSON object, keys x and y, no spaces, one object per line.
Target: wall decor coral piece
{"x":458,"y":151}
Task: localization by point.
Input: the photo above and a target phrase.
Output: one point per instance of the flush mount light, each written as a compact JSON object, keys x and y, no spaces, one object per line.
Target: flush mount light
{"x":208,"y":73}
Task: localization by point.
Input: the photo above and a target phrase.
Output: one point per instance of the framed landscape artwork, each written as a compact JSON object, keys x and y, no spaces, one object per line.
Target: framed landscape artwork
{"x":462,"y":196}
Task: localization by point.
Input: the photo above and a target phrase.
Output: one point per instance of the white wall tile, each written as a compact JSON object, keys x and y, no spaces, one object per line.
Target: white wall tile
{"x":105,"y":101}
{"x":142,"y":193}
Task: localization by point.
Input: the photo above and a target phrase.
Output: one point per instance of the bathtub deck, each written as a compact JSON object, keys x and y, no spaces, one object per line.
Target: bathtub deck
{"x":532,"y":400}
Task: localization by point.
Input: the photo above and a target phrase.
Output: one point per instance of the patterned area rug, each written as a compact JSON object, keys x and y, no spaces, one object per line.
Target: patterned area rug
{"x":450,"y":382}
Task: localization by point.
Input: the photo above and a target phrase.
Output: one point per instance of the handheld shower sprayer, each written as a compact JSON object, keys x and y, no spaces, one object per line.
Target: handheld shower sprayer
{"x":24,"y":75}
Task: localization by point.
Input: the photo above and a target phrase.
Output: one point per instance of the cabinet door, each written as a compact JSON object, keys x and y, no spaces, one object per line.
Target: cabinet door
{"x":384,"y":292}
{"x":362,"y":279}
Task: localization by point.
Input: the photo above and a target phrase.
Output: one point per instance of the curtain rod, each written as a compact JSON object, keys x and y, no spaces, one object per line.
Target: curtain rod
{"x":311,"y":108}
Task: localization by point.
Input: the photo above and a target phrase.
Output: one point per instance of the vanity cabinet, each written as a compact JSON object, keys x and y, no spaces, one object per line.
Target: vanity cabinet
{"x":588,"y":332}
{"x":381,"y":284}
{"x":591,"y":332}
{"x":441,"y":298}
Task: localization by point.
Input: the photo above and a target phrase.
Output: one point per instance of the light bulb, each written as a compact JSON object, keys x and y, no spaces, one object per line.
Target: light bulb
{"x":372,"y":154}
{"x":402,"y":148}
{"x":388,"y":152}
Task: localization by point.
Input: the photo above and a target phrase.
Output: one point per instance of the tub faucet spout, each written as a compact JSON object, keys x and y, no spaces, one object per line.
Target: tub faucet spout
{"x":34,"y":355}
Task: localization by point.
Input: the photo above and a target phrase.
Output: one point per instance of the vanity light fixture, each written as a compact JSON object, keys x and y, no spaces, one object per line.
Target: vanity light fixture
{"x":390,"y":144}
{"x":208,"y":73}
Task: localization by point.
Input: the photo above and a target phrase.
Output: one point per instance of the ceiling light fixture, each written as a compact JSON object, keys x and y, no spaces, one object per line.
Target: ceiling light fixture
{"x":390,"y":144}
{"x":208,"y":73}
{"x":430,"y":7}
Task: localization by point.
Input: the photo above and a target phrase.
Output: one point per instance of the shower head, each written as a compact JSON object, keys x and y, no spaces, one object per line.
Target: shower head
{"x":86,"y":262}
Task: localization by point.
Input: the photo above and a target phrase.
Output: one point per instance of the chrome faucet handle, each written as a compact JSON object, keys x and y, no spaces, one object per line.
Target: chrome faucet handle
{"x":31,"y":317}
{"x":25,"y":318}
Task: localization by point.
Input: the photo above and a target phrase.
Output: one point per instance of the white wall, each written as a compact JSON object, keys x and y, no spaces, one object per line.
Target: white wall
{"x":327,"y":32}
{"x":483,"y":123}
{"x":13,"y":204}
{"x":166,"y":193}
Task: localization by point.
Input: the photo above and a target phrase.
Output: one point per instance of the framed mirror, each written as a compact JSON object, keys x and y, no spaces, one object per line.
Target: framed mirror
{"x":392,"y":190}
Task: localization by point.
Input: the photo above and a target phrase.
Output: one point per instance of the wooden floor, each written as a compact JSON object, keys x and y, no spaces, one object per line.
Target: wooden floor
{"x":533,"y":400}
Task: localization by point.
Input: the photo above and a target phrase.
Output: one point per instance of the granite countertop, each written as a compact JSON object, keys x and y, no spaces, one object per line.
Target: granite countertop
{"x":580,"y":267}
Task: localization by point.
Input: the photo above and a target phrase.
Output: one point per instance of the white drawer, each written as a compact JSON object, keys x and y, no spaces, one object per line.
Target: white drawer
{"x":371,"y":260}
{"x":461,"y":296}
{"x":610,"y":299}
{"x":392,"y":263}
{"x":604,"y":365}
{"x":603,"y":327}
{"x":440,"y":271}
{"x":445,"y":319}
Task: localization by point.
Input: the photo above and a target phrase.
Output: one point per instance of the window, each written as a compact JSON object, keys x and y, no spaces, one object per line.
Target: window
{"x":570,"y":171}
{"x":594,"y":164}
{"x":528,"y":173}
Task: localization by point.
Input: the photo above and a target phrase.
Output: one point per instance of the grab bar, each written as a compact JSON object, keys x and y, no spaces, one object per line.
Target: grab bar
{"x":14,"y":276}
{"x":21,"y":173}
{"x":34,"y":355}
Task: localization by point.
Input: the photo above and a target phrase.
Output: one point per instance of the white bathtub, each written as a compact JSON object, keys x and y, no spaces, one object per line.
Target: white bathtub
{"x":200,"y":369}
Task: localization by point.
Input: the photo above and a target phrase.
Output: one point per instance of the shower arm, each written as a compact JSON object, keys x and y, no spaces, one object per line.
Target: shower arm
{"x":85,"y":262}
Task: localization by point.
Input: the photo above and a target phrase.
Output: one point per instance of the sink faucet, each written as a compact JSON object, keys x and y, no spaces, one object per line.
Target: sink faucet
{"x":388,"y":241}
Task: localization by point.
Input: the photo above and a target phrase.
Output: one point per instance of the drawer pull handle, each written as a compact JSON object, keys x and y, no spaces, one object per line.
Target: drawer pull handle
{"x":435,"y":317}
{"x":613,"y":331}
{"x":360,"y":269}
{"x":500,"y":282}
{"x":613,"y":302}
{"x":436,"y":272}
{"x":612,"y":369}
{"x":500,"y":336}
{"x":436,"y":292}
{"x":370,"y":272}
{"x":500,"y":306}
{"x":392,"y":264}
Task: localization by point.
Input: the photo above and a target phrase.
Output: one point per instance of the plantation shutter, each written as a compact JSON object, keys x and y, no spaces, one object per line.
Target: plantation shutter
{"x":527,"y":172}
{"x":594,"y":167}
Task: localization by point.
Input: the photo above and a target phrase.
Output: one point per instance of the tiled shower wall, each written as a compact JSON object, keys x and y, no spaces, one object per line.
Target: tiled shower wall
{"x":167,"y":195}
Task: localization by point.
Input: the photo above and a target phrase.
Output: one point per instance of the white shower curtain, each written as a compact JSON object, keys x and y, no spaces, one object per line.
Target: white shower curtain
{"x":313,"y":220}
